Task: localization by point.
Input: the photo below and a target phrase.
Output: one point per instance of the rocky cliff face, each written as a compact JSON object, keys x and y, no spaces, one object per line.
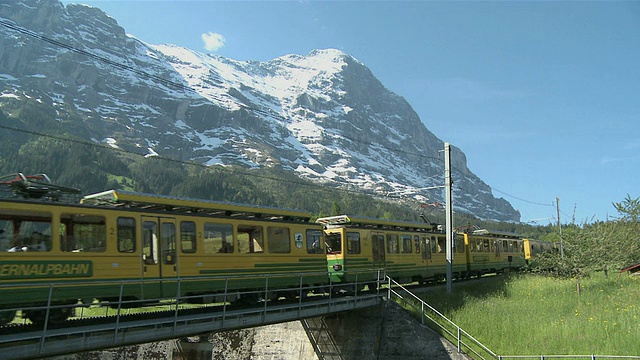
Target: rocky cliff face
{"x":323,"y":115}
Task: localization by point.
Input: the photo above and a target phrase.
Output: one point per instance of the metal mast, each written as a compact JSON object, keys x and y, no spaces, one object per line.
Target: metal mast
{"x":449,"y":213}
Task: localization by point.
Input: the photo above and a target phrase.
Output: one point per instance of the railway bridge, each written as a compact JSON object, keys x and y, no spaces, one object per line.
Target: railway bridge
{"x":126,"y":322}
{"x":338,"y":324}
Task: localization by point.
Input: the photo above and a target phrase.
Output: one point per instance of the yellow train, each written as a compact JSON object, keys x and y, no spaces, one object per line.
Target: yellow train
{"x":355,"y":246}
{"x":534,"y":248}
{"x":60,"y":254}
{"x":410,"y":252}
{"x":493,"y":251}
{"x":148,"y":242}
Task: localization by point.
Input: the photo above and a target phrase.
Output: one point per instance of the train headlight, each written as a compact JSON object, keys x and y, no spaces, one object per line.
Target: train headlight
{"x":337,"y":267}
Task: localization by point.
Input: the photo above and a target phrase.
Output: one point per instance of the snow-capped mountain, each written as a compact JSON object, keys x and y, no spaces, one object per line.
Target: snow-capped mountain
{"x":323,"y":115}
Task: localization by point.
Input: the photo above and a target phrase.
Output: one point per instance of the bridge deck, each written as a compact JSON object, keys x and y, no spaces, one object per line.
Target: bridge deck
{"x":116,"y":331}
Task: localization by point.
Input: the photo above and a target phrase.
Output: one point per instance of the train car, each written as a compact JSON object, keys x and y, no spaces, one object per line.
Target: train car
{"x":533,"y":248}
{"x":406,"y":251}
{"x":493,"y":251}
{"x":147,"y":241}
{"x":437,"y":257}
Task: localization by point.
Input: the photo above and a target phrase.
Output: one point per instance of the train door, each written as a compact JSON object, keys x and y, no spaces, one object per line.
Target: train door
{"x":425,"y":250}
{"x":496,"y":246}
{"x":468,"y":246}
{"x":334,"y":244}
{"x":422,"y":245}
{"x":378,"y":250}
{"x":159,"y":256}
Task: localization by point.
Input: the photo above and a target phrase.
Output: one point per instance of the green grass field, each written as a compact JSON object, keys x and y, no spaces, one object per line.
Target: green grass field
{"x":536,"y":315}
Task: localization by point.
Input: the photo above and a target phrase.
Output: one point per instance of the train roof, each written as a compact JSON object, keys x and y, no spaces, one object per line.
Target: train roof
{"x":143,"y":201}
{"x":363,"y":222}
{"x":496,"y":233}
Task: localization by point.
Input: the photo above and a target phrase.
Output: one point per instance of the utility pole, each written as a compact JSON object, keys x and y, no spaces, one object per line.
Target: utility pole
{"x":560,"y":228}
{"x":449,"y":213}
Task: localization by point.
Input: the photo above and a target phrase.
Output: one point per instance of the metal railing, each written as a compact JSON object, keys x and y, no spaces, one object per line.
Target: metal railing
{"x":551,"y":357}
{"x":177,"y":316}
{"x":464,"y":342}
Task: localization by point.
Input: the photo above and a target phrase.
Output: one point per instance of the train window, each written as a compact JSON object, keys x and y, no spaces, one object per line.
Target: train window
{"x":334,"y":243}
{"x":82,"y":233}
{"x":459,"y":244}
{"x":314,"y":241}
{"x":188,"y":236}
{"x":353,"y":243}
{"x":126,"y":234}
{"x":168,"y":237}
{"x":416,"y":243}
{"x":250,"y":239}
{"x":434,"y":245}
{"x":486,"y":245}
{"x":32,"y":235}
{"x":218,"y":238}
{"x":406,"y":244}
{"x":426,"y":248}
{"x":278,"y":240}
{"x":479,"y":247}
{"x":6,"y":232}
{"x":442,"y":244}
{"x":377,"y":247}
{"x":392,"y":244}
{"x":150,"y":242}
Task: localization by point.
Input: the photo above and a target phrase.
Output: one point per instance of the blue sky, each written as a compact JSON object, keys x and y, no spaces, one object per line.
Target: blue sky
{"x":543,"y":97}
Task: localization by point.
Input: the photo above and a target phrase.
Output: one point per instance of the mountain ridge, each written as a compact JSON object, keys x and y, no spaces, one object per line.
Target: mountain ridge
{"x":323,"y":116}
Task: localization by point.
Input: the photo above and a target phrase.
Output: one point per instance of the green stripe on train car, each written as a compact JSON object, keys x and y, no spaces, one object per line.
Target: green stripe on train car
{"x":275,"y":268}
{"x":316,"y":260}
{"x":296,"y":265}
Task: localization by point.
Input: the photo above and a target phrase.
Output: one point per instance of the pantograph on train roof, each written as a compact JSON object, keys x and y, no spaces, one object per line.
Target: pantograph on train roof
{"x":363,"y":222}
{"x":35,"y":187}
{"x":175,"y":204}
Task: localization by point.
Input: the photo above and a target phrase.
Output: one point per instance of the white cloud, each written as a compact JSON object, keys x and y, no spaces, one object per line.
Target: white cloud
{"x":212,"y":41}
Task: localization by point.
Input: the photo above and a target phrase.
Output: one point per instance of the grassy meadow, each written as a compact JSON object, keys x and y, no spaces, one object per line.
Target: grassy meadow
{"x":535,"y":315}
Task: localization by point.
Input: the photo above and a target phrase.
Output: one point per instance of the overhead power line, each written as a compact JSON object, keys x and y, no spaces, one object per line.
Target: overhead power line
{"x":521,"y":199}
